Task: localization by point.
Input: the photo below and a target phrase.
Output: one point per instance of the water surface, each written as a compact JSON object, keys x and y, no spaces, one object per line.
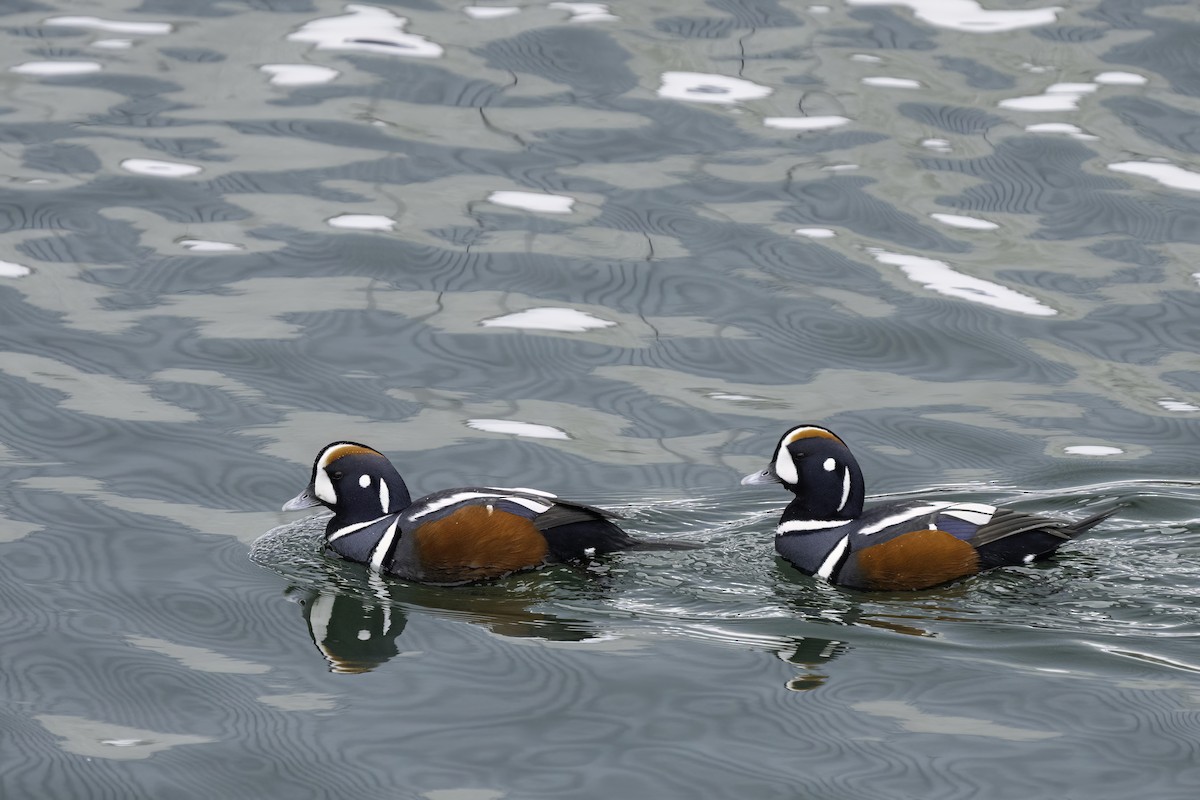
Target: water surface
{"x":612,"y":251}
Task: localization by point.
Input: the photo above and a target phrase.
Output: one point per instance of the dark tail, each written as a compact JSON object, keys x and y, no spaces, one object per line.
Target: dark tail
{"x":1087,"y":523}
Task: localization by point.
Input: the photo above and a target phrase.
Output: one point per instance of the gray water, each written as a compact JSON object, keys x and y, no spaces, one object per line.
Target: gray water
{"x":964,"y":238}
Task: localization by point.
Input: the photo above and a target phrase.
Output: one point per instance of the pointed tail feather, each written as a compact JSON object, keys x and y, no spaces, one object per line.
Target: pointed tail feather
{"x":1087,"y":523}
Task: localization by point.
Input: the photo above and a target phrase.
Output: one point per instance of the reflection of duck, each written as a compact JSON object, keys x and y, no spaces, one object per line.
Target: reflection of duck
{"x":453,"y":536}
{"x":915,"y":544}
{"x":354,"y":635}
{"x":811,"y":653}
{"x":356,"y":627}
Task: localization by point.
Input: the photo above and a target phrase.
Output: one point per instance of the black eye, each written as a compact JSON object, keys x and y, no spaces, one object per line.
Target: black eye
{"x":337,"y":476}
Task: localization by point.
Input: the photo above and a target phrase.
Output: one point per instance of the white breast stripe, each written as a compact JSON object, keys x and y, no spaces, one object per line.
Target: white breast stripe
{"x":903,"y":516}
{"x":831,"y":560}
{"x":384,"y":545}
{"x":385,"y":496}
{"x":809,"y":525}
{"x":845,"y":488}
{"x":972,"y":516}
{"x":358,"y":526}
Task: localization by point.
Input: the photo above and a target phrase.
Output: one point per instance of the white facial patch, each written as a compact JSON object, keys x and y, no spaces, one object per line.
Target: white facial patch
{"x":323,"y":487}
{"x":785,"y":467}
{"x":830,"y":465}
{"x":364,"y":481}
{"x":385,"y":496}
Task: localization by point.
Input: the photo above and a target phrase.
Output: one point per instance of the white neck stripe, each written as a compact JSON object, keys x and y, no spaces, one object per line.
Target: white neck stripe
{"x":810,"y":525}
{"x":358,"y":526}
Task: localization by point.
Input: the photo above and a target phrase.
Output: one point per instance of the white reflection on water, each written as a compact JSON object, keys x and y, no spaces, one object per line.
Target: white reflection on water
{"x":1171,"y":404}
{"x":160,"y":169}
{"x":533,"y":201}
{"x":10,"y":270}
{"x":1074,"y":131}
{"x":362,"y":222}
{"x":1120,"y":78}
{"x":96,"y":739}
{"x":1057,"y":97}
{"x":702,"y":87}
{"x":298,"y":74}
{"x":885,"y":82}
{"x":367,"y":28}
{"x":969,"y":15}
{"x":805,"y":123}
{"x":113,"y":26}
{"x":530,"y":429}
{"x":1092,"y":450}
{"x":54,"y":69}
{"x":1166,"y":174}
{"x":549,"y":319}
{"x":938,"y":276}
{"x":490,"y":12}
{"x":585,"y":12}
{"x":965,"y":222}
{"x":206,"y":246}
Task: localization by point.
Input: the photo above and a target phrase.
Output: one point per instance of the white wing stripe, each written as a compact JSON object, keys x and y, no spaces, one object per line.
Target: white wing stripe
{"x":535,"y":506}
{"x":980,"y":518}
{"x":903,"y":516}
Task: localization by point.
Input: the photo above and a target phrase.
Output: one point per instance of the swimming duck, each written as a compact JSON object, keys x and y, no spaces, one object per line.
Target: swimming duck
{"x":913,"y":544}
{"x":453,"y":536}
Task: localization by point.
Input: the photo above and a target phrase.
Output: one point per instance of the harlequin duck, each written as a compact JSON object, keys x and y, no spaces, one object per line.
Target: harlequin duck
{"x":913,"y":544}
{"x":453,"y":536}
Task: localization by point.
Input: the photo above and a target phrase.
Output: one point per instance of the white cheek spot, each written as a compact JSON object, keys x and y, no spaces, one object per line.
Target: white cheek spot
{"x":830,"y":465}
{"x":364,"y":481}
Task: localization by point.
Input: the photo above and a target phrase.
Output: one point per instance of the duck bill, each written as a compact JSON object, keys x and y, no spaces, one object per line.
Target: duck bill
{"x":305,"y":499}
{"x":764,"y":478}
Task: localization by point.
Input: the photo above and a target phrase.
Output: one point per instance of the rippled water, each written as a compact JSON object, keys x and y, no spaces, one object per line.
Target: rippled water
{"x":611,"y":251}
